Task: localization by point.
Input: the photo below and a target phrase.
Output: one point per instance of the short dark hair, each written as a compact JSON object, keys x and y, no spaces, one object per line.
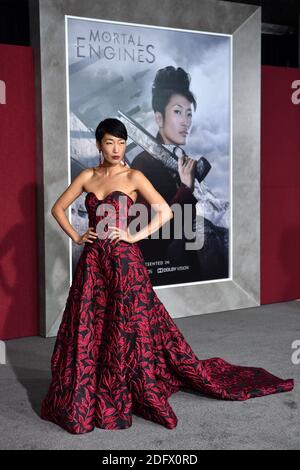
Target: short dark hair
{"x":111,"y":126}
{"x":167,"y":82}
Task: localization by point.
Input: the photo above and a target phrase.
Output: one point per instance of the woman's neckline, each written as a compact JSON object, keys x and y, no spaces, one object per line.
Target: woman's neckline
{"x":111,"y":192}
{"x":114,"y":190}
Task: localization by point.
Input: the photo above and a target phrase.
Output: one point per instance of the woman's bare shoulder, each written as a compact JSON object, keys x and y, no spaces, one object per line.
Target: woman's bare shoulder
{"x":87,"y":171}
{"x":86,"y":174}
{"x":134,"y":173}
{"x":137,"y":175}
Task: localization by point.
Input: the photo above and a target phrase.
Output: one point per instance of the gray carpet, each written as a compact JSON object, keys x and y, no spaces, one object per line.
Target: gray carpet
{"x":260,"y":336}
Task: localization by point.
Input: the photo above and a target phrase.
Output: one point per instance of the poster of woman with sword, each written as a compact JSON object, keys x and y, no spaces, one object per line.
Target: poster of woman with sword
{"x":172,"y":90}
{"x":173,"y":104}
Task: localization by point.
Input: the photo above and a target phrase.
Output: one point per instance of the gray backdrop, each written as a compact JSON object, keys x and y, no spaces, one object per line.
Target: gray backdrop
{"x":243,"y":22}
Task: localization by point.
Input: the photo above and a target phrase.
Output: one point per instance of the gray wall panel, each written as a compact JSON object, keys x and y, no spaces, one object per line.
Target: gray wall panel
{"x":243,"y":22}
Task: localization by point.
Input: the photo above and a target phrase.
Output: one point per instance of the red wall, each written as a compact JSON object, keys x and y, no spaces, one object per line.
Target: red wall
{"x":280,"y":186}
{"x":18,"y":227}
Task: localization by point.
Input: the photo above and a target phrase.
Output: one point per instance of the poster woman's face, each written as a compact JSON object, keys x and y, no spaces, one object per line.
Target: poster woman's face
{"x":174,"y":128}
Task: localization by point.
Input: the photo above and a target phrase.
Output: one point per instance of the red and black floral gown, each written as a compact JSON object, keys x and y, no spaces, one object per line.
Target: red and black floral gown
{"x":118,"y":352}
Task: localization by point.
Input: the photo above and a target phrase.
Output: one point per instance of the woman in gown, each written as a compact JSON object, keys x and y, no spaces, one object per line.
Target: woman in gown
{"x":118,"y":352}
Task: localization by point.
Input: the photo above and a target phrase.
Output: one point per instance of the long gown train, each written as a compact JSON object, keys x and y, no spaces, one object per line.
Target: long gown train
{"x":118,"y":352}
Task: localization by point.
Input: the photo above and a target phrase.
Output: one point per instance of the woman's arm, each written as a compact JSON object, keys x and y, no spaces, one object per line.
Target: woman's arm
{"x":155,"y":200}
{"x":66,"y":199}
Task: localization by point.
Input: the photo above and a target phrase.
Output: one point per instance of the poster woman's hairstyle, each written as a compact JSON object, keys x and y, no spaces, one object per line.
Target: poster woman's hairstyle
{"x":167,"y":82}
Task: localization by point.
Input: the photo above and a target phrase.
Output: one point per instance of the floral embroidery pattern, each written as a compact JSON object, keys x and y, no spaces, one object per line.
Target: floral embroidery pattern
{"x":118,"y":352}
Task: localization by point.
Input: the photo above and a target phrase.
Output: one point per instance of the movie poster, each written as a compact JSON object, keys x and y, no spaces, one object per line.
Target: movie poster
{"x":172,"y":90}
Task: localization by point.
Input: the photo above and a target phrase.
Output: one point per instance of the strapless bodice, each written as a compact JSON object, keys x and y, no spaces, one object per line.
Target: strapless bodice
{"x":111,"y":193}
{"x":114,"y":208}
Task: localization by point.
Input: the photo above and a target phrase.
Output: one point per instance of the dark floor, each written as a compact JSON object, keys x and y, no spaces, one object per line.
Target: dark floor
{"x":260,"y":336}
